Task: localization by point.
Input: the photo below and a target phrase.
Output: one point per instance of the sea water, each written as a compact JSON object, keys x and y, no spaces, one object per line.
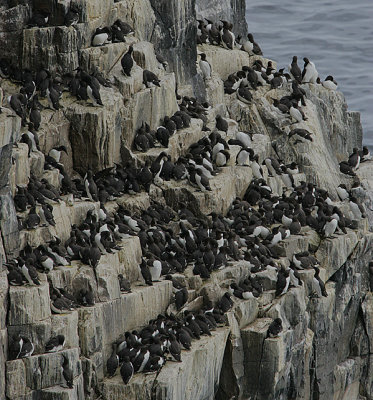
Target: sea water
{"x":336,"y":35}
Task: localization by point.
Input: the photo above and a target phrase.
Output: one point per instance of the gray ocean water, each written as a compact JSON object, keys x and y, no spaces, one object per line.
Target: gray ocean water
{"x":337,"y":35}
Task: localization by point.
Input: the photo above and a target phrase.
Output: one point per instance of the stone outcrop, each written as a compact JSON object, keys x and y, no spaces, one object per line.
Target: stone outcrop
{"x":229,"y":10}
{"x":325,"y":349}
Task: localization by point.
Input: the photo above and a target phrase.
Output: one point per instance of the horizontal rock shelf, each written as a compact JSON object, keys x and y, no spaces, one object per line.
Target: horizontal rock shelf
{"x":176,"y":380}
{"x":323,"y":350}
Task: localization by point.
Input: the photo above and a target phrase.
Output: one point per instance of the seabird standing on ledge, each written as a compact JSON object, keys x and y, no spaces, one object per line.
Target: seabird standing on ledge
{"x":227,"y":37}
{"x":275,"y":328}
{"x":72,"y":16}
{"x":90,"y":186}
{"x":150,"y":79}
{"x":126,"y":370}
{"x":330,"y":83}
{"x":55,"y":343}
{"x":101,"y":36}
{"x":205,"y":67}
{"x":67,"y":372}
{"x":309,"y":74}
{"x":53,"y":96}
{"x":256,"y":49}
{"x":247,"y":46}
{"x":221,"y":124}
{"x":127,"y":62}
{"x":295,"y":71}
{"x":55,"y":152}
{"x":354,"y":159}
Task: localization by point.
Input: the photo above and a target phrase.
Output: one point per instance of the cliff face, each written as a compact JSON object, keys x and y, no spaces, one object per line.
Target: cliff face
{"x":229,"y":10}
{"x":325,"y":350}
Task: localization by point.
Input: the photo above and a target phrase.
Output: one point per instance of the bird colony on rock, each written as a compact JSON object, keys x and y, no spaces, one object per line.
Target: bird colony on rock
{"x":173,"y":239}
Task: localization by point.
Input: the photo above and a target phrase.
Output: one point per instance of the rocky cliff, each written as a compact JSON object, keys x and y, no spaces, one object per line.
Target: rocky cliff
{"x":324,"y":350}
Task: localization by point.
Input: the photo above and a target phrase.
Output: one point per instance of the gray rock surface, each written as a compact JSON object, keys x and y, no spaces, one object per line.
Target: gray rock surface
{"x":178,"y":380}
{"x":230,"y":10}
{"x":325,"y":349}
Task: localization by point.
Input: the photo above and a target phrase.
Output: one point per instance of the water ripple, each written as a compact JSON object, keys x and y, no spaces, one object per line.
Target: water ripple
{"x":336,"y":35}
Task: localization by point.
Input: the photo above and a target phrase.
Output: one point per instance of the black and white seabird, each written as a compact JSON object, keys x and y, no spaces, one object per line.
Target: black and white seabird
{"x":330,"y":83}
{"x":221,"y":124}
{"x":346,"y":169}
{"x":29,"y":272}
{"x":32,"y":220}
{"x":17,"y":102}
{"x":127,"y":62}
{"x":93,"y":92}
{"x":124,"y":284}
{"x":225,"y":303}
{"x":342,"y":192}
{"x":354,"y":159}
{"x":117,"y":36}
{"x":15,"y":346}
{"x":145,"y":272}
{"x":155,"y":269}
{"x":55,"y":343}
{"x":124,"y":27}
{"x":141,"y":360}
{"x":113,"y":362}
{"x":309,"y":73}
{"x":85,"y":297}
{"x":39,"y":18}
{"x":275,"y":328}
{"x":205,"y":67}
{"x":243,"y":157}
{"x":244,"y":94}
{"x":35,"y":116}
{"x":365,"y":154}
{"x":72,"y":16}
{"x":245,"y":138}
{"x":184,"y":338}
{"x":90,"y":186}
{"x":227,"y":36}
{"x":283,"y":281}
{"x":20,"y":199}
{"x":213,"y":32}
{"x":55,"y":152}
{"x":303,"y":133}
{"x":255,"y":167}
{"x":319,"y":284}
{"x":247,"y":46}
{"x":46,"y":213}
{"x":150,"y":79}
{"x":67,"y":372}
{"x":53,"y":96}
{"x":251,"y":76}
{"x":162,"y":61}
{"x":101,"y":36}
{"x":202,"y":181}
{"x":126,"y":370}
{"x":174,"y":348}
{"x":181,"y":297}
{"x":356,"y":209}
{"x":295,"y":71}
{"x":330,"y":226}
{"x":296,"y":113}
{"x":27,"y":348}
{"x":14,"y":275}
{"x":202,"y":34}
{"x":222,"y":158}
{"x":273,"y":166}
{"x":256,"y":49}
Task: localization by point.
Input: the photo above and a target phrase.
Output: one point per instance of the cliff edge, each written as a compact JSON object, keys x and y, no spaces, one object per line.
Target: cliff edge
{"x":323,"y":348}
